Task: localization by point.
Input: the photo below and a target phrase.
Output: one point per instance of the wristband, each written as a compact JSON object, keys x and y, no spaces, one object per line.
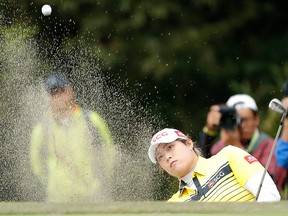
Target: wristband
{"x":209,"y":132}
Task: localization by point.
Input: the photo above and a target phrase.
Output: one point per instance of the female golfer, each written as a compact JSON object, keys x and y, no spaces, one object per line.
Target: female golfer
{"x":232,"y":175}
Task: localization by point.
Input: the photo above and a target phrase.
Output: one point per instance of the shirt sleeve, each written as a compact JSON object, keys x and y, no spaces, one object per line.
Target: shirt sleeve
{"x":268,"y":192}
{"x":243,"y":165}
{"x":109,"y":148}
{"x":35,"y":151}
{"x":282,"y":153}
{"x":248,"y":171}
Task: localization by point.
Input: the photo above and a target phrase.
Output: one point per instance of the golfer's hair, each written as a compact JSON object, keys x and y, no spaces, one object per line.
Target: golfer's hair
{"x":196,"y":150}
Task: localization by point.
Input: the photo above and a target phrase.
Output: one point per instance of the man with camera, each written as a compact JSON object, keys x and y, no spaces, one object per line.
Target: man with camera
{"x":237,"y":124}
{"x":282,"y":147}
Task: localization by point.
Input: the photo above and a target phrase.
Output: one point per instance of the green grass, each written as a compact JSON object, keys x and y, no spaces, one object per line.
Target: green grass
{"x":144,"y":209}
{"x":158,"y":214}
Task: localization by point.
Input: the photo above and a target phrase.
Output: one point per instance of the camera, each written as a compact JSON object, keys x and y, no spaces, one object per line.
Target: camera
{"x":229,"y":117}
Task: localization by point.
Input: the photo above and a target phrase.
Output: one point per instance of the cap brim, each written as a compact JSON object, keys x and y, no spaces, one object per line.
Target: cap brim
{"x":151,"y":152}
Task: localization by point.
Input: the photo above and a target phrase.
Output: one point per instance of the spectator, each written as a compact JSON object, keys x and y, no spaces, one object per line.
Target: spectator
{"x":282,"y":150}
{"x":71,"y":149}
{"x":232,"y":175}
{"x":244,"y":133}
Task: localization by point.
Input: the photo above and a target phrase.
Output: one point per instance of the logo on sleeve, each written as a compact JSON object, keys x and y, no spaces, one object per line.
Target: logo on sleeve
{"x":250,"y":159}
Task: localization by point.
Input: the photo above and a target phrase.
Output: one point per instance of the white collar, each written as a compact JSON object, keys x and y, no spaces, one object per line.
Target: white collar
{"x":189,"y":180}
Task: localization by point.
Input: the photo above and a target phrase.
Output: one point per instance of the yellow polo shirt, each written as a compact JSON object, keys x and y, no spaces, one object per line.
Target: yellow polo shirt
{"x":67,"y":159}
{"x":221,"y":178}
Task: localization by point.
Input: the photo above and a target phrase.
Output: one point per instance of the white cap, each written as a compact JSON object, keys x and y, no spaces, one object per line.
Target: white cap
{"x":241,"y":101}
{"x":166,"y":135}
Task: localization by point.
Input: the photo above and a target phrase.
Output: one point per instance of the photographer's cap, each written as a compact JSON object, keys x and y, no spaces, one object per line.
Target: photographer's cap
{"x":166,"y":135}
{"x":56,"y":80}
{"x":241,"y":101}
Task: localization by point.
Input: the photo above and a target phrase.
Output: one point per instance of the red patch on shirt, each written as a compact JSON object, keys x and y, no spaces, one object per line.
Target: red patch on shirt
{"x":250,"y":159}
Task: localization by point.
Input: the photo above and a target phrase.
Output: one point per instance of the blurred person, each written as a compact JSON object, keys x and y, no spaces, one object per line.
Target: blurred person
{"x":232,"y":175}
{"x":71,"y":149}
{"x":282,"y":149}
{"x":237,"y":123}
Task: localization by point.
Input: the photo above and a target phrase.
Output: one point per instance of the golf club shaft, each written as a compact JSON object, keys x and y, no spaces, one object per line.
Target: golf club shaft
{"x":271,"y":154}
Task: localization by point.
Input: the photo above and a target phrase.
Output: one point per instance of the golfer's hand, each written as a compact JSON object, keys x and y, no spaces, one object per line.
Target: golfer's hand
{"x":285,"y":102}
{"x":284,"y":135}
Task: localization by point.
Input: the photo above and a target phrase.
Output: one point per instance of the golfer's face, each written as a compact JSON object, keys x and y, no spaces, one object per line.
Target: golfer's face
{"x":61,"y":100}
{"x":176,"y":158}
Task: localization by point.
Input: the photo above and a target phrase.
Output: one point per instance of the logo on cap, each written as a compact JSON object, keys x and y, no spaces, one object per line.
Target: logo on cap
{"x":165,"y":133}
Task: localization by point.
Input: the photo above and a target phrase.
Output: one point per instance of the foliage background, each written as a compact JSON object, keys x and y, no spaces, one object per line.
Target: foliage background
{"x":177,"y":58}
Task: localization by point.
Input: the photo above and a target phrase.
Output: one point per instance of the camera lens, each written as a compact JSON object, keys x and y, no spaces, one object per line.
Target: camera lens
{"x":229,"y":118}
